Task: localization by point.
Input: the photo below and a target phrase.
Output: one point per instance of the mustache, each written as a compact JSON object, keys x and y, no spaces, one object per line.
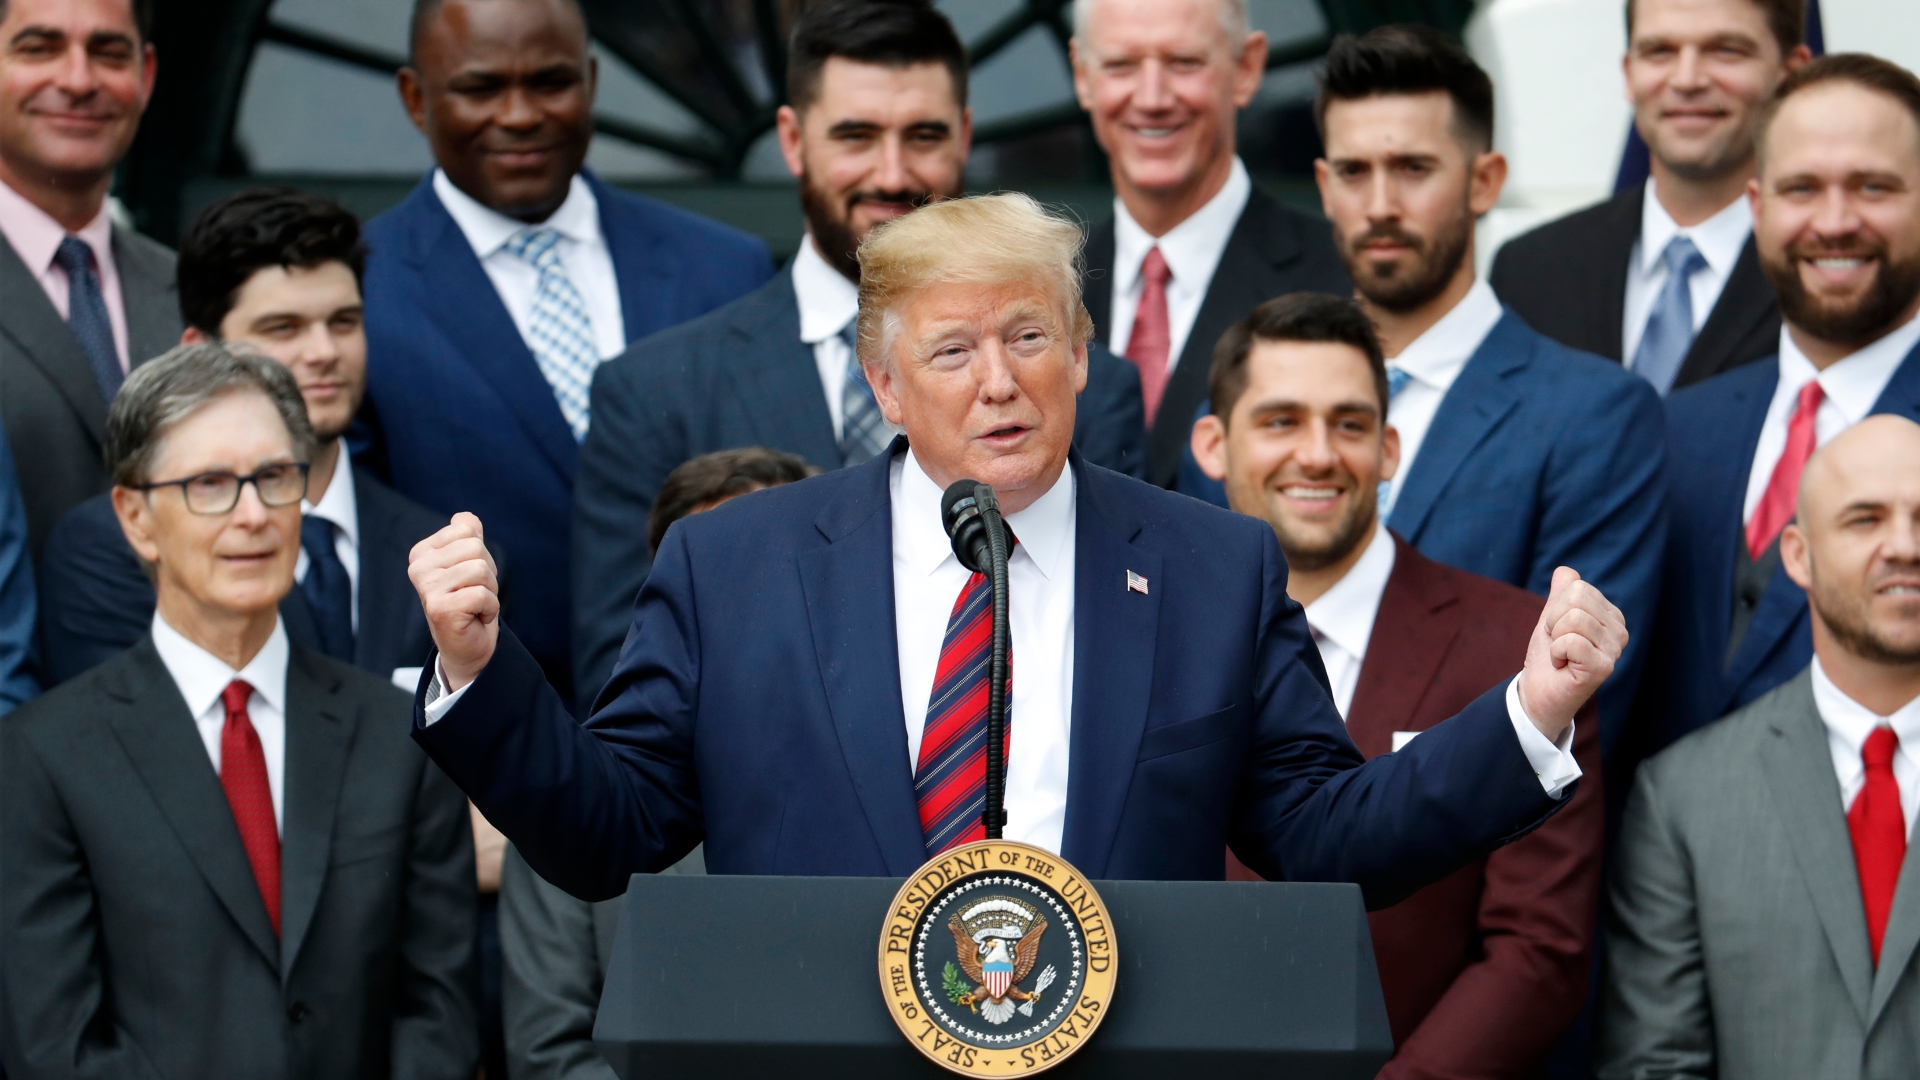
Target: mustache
{"x":912,"y":198}
{"x":1390,"y":233}
{"x":1856,"y":246}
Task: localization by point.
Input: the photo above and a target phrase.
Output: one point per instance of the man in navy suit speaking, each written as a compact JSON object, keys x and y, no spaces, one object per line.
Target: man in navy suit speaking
{"x":796,"y":688}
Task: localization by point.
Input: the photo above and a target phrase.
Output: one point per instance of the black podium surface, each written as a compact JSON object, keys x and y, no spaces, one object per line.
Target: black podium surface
{"x":721,"y":977}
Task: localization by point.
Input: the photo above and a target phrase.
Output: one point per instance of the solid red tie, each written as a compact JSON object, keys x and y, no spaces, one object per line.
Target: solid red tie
{"x":1783,"y":487}
{"x":1152,"y":334}
{"x":1879,"y":833}
{"x":243,"y":773}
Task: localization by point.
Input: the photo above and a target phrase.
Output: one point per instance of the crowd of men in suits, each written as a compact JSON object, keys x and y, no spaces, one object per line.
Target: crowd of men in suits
{"x":222,"y":852}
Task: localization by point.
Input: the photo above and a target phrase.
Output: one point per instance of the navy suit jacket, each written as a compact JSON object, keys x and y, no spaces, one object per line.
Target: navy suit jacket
{"x":1712,"y":430}
{"x":1540,"y":456}
{"x":100,"y":603}
{"x":460,"y":411}
{"x":739,"y":376}
{"x":757,"y":707}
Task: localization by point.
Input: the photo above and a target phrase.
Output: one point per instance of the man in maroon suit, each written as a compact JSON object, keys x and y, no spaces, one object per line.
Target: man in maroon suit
{"x":1485,"y":969}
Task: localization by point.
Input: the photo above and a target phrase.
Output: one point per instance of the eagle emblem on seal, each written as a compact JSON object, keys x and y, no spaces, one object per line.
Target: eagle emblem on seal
{"x":997,"y":942}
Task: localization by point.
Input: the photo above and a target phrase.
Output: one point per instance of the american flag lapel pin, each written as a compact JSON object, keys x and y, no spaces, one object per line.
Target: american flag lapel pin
{"x":1136,"y":583}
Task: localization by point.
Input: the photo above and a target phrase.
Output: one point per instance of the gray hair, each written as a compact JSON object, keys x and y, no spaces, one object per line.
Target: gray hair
{"x":187,"y":378}
{"x":1233,"y":19}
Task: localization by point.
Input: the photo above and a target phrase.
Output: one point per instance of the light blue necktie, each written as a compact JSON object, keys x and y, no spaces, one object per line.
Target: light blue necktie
{"x":1669,"y":332}
{"x":863,"y":431}
{"x":561,"y":329}
{"x":87,"y":314}
{"x":1397,"y":381}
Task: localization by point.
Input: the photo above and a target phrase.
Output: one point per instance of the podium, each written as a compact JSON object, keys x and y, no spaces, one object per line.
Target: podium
{"x":724,"y":977}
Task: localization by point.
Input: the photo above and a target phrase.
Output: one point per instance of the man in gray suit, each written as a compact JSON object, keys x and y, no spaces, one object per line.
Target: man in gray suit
{"x":224,"y":855}
{"x":86,"y":299}
{"x":1765,"y":917}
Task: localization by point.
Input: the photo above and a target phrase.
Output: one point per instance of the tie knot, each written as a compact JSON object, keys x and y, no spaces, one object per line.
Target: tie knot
{"x":1682,"y":258}
{"x":235,"y":696}
{"x":1878,"y":753}
{"x":1154,"y":269}
{"x":73,"y":255}
{"x":535,"y":245}
{"x":315,"y":530}
{"x":1397,"y":380}
{"x":1811,"y":395}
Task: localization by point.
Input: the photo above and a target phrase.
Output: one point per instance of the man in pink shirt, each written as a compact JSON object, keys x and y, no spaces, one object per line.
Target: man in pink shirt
{"x":86,"y":299}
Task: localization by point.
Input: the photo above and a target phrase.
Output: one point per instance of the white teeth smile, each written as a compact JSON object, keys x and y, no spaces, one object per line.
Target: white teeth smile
{"x":1155,"y":133}
{"x":1903,"y":590}
{"x":1293,"y":492}
{"x":1839,"y":264}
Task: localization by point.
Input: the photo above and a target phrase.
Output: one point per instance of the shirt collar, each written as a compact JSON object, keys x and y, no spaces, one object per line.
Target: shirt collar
{"x":1719,"y":239}
{"x":1043,"y":528}
{"x":828,"y":301}
{"x":1849,"y":722}
{"x":36,"y":237}
{"x":202,"y":677}
{"x":1344,"y":614}
{"x":338,"y":503}
{"x":1192,"y":248}
{"x":1437,"y":356}
{"x":487,"y":229}
{"x":1855,"y":382}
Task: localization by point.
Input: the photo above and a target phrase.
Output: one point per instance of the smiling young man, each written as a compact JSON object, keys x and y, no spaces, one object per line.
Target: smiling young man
{"x":1665,"y":277}
{"x":1836,"y":209}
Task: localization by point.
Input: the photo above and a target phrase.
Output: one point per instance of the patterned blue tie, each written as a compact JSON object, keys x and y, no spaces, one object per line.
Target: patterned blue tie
{"x":562,"y":331}
{"x":87,"y":314}
{"x":863,"y":431}
{"x":1397,"y":381}
{"x":1669,"y":332}
{"x":328,"y":590}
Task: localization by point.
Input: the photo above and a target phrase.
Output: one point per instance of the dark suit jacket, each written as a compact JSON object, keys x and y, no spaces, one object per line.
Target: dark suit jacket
{"x":135,"y":939}
{"x":1713,"y":430}
{"x":54,"y":413}
{"x":99,"y":602}
{"x":739,"y":376}
{"x":465,"y":419}
{"x":1483,"y":970}
{"x":757,"y":707}
{"x":19,"y":681}
{"x":1568,"y":279}
{"x":1273,"y":251}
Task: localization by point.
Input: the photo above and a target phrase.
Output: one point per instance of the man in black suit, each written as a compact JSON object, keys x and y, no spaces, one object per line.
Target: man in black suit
{"x":223,"y":855}
{"x":1192,"y":246}
{"x":1664,"y":277}
{"x":279,"y":272}
{"x":876,"y":125}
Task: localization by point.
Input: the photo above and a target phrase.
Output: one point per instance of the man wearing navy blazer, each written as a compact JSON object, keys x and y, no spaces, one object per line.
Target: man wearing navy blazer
{"x":876,"y":124}
{"x":507,"y":276}
{"x":1844,"y":257}
{"x":784,"y":694}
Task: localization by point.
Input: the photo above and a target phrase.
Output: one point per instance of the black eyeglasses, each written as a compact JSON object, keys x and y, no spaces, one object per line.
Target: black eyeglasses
{"x":219,"y":492}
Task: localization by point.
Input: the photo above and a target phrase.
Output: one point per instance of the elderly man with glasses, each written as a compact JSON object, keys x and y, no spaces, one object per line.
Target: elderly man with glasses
{"x":224,"y":855}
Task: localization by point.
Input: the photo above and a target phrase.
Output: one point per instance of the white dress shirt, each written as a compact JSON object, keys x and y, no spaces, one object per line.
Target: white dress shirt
{"x":828,"y":302}
{"x":1848,"y":725}
{"x":1849,"y":388}
{"x":338,"y":506}
{"x":1434,"y":360}
{"x":1192,"y":250}
{"x":1719,"y":239}
{"x":583,"y":252}
{"x":35,"y":237}
{"x":203,"y":677}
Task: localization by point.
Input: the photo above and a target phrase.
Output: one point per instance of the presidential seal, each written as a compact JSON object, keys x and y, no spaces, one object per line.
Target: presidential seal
{"x":997,"y":959}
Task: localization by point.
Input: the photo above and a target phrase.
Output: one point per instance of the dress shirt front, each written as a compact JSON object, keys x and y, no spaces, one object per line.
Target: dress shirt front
{"x":1848,"y":725}
{"x":583,"y":252}
{"x":1719,"y":239}
{"x":828,"y":302}
{"x":338,"y":506}
{"x":36,"y":237}
{"x":1434,"y":360}
{"x":1192,"y":250}
{"x":202,"y":677}
{"x":1849,"y":388}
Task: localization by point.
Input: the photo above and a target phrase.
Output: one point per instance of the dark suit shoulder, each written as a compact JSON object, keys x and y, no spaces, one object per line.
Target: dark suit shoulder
{"x":680,"y":225}
{"x":412,"y":521}
{"x":1710,"y":398}
{"x":143,"y":254}
{"x":694,"y":340}
{"x":1488,"y":604}
{"x":1721,"y":744}
{"x":76,"y":701}
{"x":1546,"y":247}
{"x":351,"y":683}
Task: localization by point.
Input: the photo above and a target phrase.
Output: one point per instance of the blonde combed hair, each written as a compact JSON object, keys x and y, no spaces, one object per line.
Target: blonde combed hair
{"x":981,"y":239}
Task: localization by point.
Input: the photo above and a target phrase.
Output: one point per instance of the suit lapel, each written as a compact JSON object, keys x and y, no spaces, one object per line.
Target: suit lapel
{"x":1476,"y":403}
{"x":777,"y":380}
{"x":149,"y":299}
{"x":1903,"y":935}
{"x":1799,"y":773}
{"x":1616,"y":262}
{"x":151,"y":722}
{"x":383,"y":612}
{"x":1745,"y":302}
{"x":649,"y":289}
{"x":1412,"y":632}
{"x":1114,"y":630}
{"x":1097,"y":292}
{"x":320,"y":729}
{"x":1902,"y":394}
{"x":849,"y":590}
{"x":31,"y":320}
{"x":1781,"y":615}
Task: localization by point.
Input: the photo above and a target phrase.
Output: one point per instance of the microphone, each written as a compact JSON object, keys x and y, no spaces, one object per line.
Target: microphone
{"x":970,"y":513}
{"x":963,"y":511}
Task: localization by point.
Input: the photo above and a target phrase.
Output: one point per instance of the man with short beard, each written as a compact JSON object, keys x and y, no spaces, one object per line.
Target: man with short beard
{"x":1836,"y":208}
{"x":876,"y":125}
{"x":1764,"y":914}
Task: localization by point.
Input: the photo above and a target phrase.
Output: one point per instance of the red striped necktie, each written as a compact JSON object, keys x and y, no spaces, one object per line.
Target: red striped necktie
{"x":243,"y":773}
{"x":951,"y":780}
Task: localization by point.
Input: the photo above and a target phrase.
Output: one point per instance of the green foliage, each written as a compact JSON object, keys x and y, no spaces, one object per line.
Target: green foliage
{"x":958,"y":990}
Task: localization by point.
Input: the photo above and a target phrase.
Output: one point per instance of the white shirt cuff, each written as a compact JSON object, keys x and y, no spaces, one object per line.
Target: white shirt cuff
{"x":1552,"y":761}
{"x":440,"y":703}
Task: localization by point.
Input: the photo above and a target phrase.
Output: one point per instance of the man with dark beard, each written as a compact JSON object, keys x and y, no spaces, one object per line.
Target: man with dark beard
{"x":1836,"y":209}
{"x":876,"y":124}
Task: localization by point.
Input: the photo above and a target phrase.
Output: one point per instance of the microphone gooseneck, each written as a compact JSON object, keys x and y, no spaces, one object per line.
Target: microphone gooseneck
{"x":970,"y":514}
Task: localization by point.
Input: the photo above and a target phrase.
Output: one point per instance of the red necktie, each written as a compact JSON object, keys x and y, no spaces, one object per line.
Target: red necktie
{"x":243,"y":773}
{"x":1783,"y":488}
{"x":951,"y":780}
{"x":1152,"y":334}
{"x":1879,"y":833}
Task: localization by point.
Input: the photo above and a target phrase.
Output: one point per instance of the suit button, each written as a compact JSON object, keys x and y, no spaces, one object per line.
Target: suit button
{"x":297,"y":1012}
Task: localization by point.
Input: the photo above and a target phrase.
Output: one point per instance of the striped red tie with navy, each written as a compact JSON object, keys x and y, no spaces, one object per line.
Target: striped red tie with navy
{"x":951,"y":779}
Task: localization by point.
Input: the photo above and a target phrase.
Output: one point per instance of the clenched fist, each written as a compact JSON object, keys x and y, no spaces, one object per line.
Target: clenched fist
{"x":459,"y":590}
{"x":1578,"y":640}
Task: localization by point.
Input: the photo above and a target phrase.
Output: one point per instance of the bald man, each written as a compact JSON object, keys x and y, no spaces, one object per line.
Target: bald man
{"x":1761,"y":927}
